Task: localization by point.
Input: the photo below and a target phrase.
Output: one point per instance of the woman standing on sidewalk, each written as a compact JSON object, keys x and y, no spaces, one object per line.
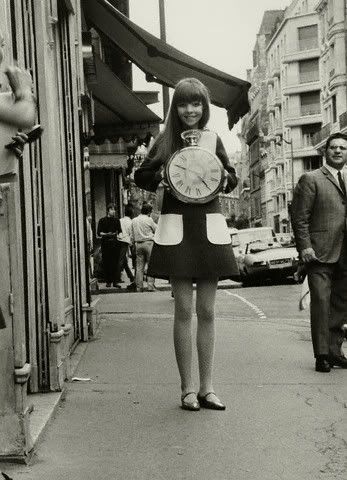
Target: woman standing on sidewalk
{"x":192,"y":243}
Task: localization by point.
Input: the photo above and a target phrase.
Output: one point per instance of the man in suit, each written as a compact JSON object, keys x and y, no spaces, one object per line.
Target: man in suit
{"x":318,"y":216}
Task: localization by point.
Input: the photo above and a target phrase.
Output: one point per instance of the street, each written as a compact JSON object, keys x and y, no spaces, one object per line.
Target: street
{"x":283,"y":420}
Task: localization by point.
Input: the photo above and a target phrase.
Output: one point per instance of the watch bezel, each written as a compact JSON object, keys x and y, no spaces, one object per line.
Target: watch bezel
{"x":184,"y":198}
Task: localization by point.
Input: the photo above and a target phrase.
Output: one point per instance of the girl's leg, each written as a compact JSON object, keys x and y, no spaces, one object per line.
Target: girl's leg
{"x":183,"y":291}
{"x":205,"y":302}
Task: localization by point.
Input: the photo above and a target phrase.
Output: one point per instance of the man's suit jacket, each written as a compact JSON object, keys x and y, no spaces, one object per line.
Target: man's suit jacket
{"x":318,"y":214}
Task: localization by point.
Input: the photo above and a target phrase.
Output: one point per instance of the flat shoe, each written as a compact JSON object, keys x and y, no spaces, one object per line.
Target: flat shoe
{"x":210,"y":404}
{"x":193,"y":406}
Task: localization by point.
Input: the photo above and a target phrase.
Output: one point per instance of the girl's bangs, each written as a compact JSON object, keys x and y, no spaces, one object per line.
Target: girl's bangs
{"x":188,"y":92}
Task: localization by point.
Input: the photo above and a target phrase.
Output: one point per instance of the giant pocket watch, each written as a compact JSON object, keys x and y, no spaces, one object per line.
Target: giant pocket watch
{"x":194,"y":174}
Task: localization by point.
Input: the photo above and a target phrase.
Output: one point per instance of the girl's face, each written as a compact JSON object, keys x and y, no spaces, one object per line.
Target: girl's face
{"x":190,"y":113}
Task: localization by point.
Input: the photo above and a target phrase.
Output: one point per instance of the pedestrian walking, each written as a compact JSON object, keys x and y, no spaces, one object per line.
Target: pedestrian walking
{"x":318,"y":216}
{"x":143,"y":229}
{"x":192,"y":243}
{"x":125,"y":241}
{"x":108,"y":229}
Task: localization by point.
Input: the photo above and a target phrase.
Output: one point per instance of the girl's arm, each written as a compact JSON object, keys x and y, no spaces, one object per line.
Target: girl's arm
{"x":232,"y":179}
{"x":149,"y":174}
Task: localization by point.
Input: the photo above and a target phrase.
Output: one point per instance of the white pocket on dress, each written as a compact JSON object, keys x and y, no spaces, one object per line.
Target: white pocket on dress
{"x":169,"y":230}
{"x":217,"y":229}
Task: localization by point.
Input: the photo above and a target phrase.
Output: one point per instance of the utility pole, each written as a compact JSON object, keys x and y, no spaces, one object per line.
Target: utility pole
{"x":165,"y":89}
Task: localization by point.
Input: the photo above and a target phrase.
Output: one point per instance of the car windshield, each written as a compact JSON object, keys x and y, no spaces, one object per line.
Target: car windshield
{"x":243,"y":237}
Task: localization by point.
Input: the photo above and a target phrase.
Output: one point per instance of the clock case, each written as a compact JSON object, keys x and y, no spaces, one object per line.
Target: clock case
{"x":191,"y":138}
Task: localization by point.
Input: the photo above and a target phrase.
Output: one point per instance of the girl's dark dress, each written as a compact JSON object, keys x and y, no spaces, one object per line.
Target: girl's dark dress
{"x":192,"y":240}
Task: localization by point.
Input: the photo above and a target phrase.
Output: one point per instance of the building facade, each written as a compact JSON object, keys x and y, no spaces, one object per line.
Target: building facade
{"x":333,"y":68}
{"x":293,"y":78}
{"x":255,"y":125}
{"x":42,"y":222}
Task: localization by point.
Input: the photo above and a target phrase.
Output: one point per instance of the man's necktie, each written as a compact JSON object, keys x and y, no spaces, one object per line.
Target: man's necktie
{"x":341,"y":182}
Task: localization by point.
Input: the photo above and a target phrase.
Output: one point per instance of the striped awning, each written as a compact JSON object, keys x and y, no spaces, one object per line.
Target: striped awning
{"x":163,"y":63}
{"x":107,"y":161}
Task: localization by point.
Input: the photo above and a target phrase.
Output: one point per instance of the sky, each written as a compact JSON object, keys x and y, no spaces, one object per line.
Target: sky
{"x":221,"y":33}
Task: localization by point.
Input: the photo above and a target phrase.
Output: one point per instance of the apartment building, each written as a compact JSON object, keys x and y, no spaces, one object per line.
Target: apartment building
{"x":293,"y":105}
{"x":255,"y":124}
{"x":333,"y":68}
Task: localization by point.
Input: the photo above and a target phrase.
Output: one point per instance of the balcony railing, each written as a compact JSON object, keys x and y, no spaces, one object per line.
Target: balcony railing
{"x":322,"y":134}
{"x":310,"y":109}
{"x":308,"y":44}
{"x":309,"y":77}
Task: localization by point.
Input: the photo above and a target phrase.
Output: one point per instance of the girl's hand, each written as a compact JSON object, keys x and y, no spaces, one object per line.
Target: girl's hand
{"x":20,"y":82}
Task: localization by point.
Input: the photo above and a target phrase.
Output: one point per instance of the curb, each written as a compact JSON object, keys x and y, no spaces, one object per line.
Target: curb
{"x":161,"y":288}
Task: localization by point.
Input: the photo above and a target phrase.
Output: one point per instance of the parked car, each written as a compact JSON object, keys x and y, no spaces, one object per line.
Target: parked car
{"x":241,"y":238}
{"x":267,"y":261}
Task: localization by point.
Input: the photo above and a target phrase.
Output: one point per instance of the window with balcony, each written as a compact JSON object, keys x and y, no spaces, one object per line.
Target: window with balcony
{"x":309,"y":71}
{"x":310,"y":103}
{"x":308,"y":37}
{"x":312,"y":163}
{"x":307,"y":132}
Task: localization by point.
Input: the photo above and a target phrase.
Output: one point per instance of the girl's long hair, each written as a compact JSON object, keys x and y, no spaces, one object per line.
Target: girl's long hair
{"x":169,"y":140}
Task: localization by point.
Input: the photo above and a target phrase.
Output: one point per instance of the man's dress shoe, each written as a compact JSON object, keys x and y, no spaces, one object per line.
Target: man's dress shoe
{"x":322,"y":365}
{"x":337,"y":361}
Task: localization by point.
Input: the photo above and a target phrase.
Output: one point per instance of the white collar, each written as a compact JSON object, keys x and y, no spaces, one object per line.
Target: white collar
{"x":334,"y":171}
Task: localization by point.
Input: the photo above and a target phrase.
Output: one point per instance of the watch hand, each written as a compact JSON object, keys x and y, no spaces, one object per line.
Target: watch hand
{"x":196,"y":173}
{"x":203,"y":181}
{"x":181,"y":166}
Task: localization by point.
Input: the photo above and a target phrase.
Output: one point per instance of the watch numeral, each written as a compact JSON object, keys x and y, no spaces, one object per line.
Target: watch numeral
{"x":176,"y":174}
{"x":188,"y":190}
{"x":179,"y":183}
{"x":214,"y":179}
{"x":197,"y":191}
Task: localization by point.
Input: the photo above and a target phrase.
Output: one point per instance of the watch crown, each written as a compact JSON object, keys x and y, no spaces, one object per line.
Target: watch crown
{"x":191,"y":137}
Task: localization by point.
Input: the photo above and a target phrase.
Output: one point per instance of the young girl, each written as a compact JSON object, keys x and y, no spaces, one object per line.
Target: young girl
{"x":192,"y":243}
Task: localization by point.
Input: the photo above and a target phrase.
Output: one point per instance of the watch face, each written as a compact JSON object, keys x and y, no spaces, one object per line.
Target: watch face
{"x":194,"y":174}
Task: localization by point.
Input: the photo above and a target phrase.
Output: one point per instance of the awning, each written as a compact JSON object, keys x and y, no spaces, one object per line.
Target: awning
{"x":163,"y":63}
{"x":108,"y":161}
{"x":114,"y":96}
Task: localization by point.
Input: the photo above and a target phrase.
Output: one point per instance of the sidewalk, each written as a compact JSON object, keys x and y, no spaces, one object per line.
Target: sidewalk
{"x":122,"y":419}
